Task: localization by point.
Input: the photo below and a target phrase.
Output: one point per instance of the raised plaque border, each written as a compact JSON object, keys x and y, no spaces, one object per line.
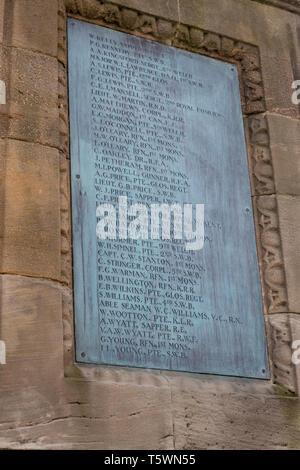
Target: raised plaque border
{"x":247,"y":58}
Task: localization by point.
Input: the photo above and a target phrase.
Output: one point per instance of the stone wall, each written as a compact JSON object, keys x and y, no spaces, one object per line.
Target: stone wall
{"x":46,"y":400}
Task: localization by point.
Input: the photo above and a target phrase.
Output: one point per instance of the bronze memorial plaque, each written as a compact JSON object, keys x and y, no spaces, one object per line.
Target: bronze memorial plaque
{"x":165,"y":264}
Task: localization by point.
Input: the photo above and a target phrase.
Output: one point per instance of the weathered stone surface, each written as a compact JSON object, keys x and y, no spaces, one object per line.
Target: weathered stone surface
{"x":30,"y":123}
{"x":31,"y":78}
{"x":2,"y":4}
{"x":270,"y":254}
{"x":219,"y":416}
{"x":196,"y":37}
{"x":290,"y":5}
{"x":165,"y":29}
{"x":104,"y":416}
{"x":167,"y":9}
{"x":260,"y":160}
{"x":34,"y":25}
{"x":279,"y":58}
{"x":29,"y":208}
{"x":213,"y":15}
{"x":104,"y":409}
{"x":285,"y":148}
{"x":65,"y":221}
{"x":203,"y":14}
{"x":120,"y":414}
{"x":289,"y":221}
{"x":31,"y":109}
{"x":30,"y":313}
{"x":129,"y":18}
{"x":278,"y":78}
{"x":284,"y":330}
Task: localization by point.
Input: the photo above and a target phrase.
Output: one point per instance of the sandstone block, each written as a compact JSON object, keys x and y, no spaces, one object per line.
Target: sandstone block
{"x":31,"y":78}
{"x":34,"y":25}
{"x":284,"y":331}
{"x":155,"y":7}
{"x":232,"y":414}
{"x":289,"y":221}
{"x":31,"y":110}
{"x":32,"y":330}
{"x":285,"y":148}
{"x":30,"y":210}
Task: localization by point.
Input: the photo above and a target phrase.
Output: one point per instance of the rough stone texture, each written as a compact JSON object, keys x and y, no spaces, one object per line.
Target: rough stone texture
{"x":31,"y":112}
{"x":260,"y":161}
{"x":34,"y":25}
{"x":30,"y":123}
{"x":274,"y":31}
{"x":221,"y":414}
{"x":30,"y":325}
{"x":108,"y":415}
{"x":123,"y":414}
{"x":31,"y":77}
{"x":270,"y":254}
{"x":29,"y":208}
{"x":121,"y":408}
{"x":167,"y":9}
{"x":291,"y":5}
{"x":1,"y":20}
{"x":65,"y":221}
{"x":289,"y":219}
{"x":39,"y":408}
{"x":285,"y":148}
{"x":284,"y":330}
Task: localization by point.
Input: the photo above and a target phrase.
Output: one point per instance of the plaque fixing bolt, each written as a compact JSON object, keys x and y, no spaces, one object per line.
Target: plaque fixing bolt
{"x":83,"y":354}
{"x":78,"y":176}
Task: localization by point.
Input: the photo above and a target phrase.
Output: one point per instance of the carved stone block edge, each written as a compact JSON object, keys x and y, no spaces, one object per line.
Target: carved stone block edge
{"x":266,"y":215}
{"x":65,"y":209}
{"x":68,"y":329}
{"x":289,"y":5}
{"x":261,"y":168}
{"x":284,"y":330}
{"x":270,"y":254}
